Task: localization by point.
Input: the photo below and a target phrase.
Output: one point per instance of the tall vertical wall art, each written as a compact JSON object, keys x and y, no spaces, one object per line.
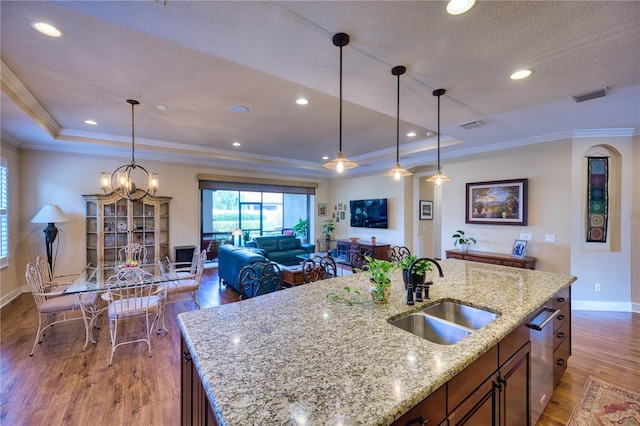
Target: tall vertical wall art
{"x":598,"y":199}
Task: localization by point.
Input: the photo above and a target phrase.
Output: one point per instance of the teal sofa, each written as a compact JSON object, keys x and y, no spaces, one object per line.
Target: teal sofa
{"x":281,"y":249}
{"x":232,"y":259}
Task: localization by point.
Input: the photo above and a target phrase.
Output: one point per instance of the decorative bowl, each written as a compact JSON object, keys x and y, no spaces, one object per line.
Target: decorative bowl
{"x":354,"y":239}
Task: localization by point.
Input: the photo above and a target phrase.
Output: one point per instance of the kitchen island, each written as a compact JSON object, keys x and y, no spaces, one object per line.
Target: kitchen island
{"x":296,"y":357}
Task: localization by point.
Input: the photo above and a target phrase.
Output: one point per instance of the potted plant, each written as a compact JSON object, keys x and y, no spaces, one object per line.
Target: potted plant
{"x":373,"y":240}
{"x":300,"y":229}
{"x":380,"y":271}
{"x":327,"y":228}
{"x":460,"y":238}
{"x":418,"y":272}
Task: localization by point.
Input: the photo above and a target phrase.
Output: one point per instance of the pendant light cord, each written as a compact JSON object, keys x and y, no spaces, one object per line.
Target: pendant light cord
{"x":133,"y":135}
{"x":438,"y":133}
{"x":398,"y":124}
{"x":340,"y":121}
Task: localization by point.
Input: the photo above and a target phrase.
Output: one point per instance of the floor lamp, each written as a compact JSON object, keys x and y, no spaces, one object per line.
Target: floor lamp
{"x":50,"y":214}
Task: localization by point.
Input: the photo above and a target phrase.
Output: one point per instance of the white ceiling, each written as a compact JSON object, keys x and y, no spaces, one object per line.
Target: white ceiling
{"x":199,"y":58}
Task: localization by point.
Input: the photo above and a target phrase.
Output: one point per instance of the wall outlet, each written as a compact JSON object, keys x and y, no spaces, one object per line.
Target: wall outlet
{"x":526,"y":237}
{"x":596,"y":287}
{"x":549,"y":238}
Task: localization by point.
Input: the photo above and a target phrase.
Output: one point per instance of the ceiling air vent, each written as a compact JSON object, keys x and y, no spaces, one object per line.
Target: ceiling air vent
{"x":473,"y":125}
{"x":589,"y":95}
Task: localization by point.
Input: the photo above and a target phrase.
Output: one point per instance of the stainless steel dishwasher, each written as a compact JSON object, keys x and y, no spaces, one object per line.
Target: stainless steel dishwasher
{"x":541,"y":360}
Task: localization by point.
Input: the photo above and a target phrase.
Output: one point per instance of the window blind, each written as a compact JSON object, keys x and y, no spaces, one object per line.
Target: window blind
{"x":240,"y":183}
{"x":4,"y":212}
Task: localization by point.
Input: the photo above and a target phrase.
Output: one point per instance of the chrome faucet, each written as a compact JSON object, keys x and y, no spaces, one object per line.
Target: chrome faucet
{"x":419,"y":287}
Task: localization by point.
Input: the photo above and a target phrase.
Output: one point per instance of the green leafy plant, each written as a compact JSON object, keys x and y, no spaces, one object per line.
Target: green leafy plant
{"x":460,"y":238}
{"x":351,"y":298}
{"x":246,"y":235}
{"x":328,"y":227}
{"x":420,"y":268}
{"x":300,"y":229}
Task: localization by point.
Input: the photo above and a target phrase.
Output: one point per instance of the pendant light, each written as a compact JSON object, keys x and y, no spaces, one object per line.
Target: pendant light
{"x":439,"y":178}
{"x":340,"y":163}
{"x":125,"y":186}
{"x":397,"y":172}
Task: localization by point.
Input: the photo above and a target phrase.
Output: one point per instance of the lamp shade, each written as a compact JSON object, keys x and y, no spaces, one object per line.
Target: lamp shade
{"x":236,"y":232}
{"x":50,"y":214}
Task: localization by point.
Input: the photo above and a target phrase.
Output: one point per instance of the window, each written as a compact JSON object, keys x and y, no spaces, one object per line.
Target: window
{"x":4,"y":213}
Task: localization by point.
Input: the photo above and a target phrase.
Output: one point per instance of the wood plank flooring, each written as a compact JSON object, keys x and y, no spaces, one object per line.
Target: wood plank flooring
{"x":63,"y":385}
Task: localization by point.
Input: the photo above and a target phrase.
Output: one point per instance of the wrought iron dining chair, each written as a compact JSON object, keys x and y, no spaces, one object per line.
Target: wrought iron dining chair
{"x":44,"y":269}
{"x":258,"y":279}
{"x":397,"y":253}
{"x":318,"y":268}
{"x":358,"y":260}
{"x":54,"y":306}
{"x":189,"y":280}
{"x":133,"y":251}
{"x":131,"y":295}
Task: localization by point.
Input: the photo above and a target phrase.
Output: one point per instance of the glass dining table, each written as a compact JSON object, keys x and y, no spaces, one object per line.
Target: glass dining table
{"x":94,"y":279}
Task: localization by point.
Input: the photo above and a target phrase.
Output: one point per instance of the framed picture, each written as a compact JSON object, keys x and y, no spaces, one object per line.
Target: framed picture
{"x":426,"y":210}
{"x":518,"y":248}
{"x":322,"y":209}
{"x":500,"y":202}
{"x":342,"y":215}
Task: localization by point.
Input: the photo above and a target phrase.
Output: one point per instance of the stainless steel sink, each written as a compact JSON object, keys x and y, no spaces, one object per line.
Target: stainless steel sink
{"x":432,"y":328}
{"x":460,"y":314}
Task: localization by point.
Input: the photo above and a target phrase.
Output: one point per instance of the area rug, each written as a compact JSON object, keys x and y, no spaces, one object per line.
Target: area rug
{"x":602,"y":403}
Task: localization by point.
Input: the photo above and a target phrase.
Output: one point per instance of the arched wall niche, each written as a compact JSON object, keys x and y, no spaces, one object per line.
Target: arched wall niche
{"x":614,"y":184}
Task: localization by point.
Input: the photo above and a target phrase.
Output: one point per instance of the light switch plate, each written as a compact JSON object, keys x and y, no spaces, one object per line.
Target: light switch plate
{"x":526,"y":237}
{"x":549,"y":238}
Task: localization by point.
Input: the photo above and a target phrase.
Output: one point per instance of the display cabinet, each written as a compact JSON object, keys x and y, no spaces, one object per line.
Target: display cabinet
{"x":113,"y":222}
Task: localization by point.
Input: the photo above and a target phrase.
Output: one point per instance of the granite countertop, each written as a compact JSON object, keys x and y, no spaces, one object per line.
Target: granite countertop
{"x":296,"y":357}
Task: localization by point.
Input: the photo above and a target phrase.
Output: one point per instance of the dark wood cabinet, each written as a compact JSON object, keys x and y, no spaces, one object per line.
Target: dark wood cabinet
{"x":345,"y":247}
{"x":195,"y":409}
{"x":493,"y":390}
{"x":561,"y":334}
{"x":527,"y":262}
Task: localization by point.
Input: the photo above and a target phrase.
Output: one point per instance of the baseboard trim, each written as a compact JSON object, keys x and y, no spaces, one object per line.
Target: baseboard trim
{"x":594,"y":305}
{"x":12,"y":295}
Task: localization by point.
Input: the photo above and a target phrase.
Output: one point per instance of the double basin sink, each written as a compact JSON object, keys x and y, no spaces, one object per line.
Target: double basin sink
{"x":446,"y":322}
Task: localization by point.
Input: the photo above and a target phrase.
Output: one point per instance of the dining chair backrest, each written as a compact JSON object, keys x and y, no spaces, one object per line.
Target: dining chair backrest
{"x":358,"y":261}
{"x":128,"y":283}
{"x":36,"y":284}
{"x":133,"y":251}
{"x":318,"y":268}
{"x":397,"y":253}
{"x":259,"y":278}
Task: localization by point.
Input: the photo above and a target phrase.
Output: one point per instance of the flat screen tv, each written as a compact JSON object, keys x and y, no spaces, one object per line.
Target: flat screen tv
{"x":370,"y":213}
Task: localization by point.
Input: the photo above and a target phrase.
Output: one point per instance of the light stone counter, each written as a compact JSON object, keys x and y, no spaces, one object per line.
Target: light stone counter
{"x":295,"y":357}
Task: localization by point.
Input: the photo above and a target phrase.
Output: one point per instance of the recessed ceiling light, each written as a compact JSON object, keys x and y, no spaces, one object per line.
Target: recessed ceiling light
{"x":239,"y":109}
{"x":162,"y":107}
{"x":520,"y":74}
{"x":47,"y":29}
{"x":411,"y":134}
{"x":325,"y":157}
{"x":91,"y":122}
{"x":302,"y":101}
{"x":237,"y":144}
{"x":457,"y":7}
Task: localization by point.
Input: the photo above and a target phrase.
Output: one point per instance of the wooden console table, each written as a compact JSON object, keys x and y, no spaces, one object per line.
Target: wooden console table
{"x":345,"y":247}
{"x":494,"y":258}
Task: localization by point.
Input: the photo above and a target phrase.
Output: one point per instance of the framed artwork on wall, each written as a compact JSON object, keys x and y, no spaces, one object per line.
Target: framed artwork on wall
{"x":426,"y":210}
{"x":500,"y":202}
{"x":322,"y":209}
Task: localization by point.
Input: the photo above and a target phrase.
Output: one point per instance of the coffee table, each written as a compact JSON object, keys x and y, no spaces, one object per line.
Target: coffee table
{"x":292,"y":274}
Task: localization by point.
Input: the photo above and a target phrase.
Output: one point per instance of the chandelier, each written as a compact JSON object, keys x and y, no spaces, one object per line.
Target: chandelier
{"x":397,"y":172}
{"x":439,"y":178}
{"x":340,"y":163}
{"x":127,"y":174}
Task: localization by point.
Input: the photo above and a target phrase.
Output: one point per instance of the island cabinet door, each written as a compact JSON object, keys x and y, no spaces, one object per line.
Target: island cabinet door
{"x":431,"y":411}
{"x":480,"y":408}
{"x":513,"y":385}
{"x":194,"y":404}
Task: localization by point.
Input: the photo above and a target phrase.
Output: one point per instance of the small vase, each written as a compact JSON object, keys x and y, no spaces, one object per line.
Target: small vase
{"x":380,"y":294}
{"x":464,"y":248}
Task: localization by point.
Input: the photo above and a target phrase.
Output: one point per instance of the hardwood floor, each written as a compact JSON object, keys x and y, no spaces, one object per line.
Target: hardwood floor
{"x":61,"y":384}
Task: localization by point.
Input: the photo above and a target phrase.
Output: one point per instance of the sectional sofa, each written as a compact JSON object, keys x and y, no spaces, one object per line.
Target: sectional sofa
{"x":231,"y":259}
